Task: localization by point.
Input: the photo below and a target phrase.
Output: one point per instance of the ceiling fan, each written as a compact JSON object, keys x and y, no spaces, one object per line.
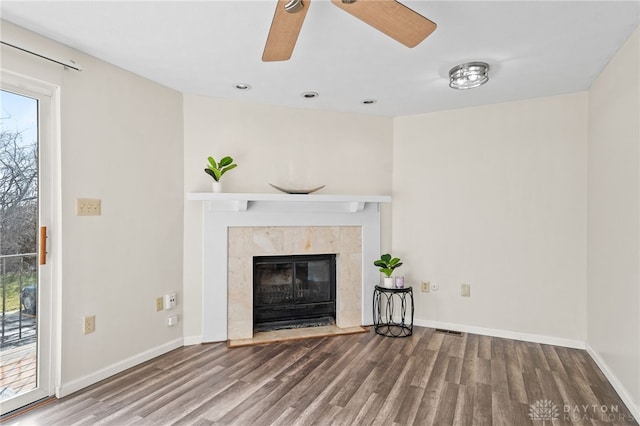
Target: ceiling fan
{"x":388,"y":16}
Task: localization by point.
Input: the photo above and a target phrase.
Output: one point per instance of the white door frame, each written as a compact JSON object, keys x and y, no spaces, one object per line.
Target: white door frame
{"x":49,"y":195}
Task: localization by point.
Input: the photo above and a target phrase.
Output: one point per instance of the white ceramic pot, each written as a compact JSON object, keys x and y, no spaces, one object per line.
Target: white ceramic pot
{"x":216,"y":186}
{"x":388,"y":282}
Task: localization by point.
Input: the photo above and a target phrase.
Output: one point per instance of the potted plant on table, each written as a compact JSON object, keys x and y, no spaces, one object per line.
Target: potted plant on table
{"x":217,"y":169}
{"x":387,"y":264}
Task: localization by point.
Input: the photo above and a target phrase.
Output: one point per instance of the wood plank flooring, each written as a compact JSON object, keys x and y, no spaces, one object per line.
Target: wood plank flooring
{"x":429,"y":378}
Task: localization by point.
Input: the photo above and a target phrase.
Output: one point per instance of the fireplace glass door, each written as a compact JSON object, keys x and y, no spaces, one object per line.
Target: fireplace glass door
{"x":294,"y":291}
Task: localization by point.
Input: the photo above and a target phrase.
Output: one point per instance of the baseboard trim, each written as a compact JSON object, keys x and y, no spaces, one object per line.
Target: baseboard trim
{"x":506,"y":334}
{"x":622,"y":391}
{"x":192,"y":340}
{"x":68,"y":388}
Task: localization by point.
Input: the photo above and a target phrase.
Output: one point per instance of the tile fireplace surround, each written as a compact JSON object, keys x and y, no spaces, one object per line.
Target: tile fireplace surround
{"x":237,"y":227}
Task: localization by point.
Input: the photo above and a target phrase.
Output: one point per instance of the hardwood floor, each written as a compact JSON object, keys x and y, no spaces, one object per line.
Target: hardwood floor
{"x":427,"y":379}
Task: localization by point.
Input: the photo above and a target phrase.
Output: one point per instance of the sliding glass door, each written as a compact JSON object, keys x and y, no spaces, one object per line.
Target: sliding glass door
{"x":25,"y":217}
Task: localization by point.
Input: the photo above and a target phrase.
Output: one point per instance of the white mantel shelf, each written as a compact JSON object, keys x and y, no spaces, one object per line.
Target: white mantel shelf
{"x":241,"y":202}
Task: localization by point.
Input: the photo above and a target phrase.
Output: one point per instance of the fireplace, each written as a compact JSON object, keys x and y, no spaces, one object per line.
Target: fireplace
{"x":294,"y":291}
{"x":239,"y":227}
{"x":247,"y":243}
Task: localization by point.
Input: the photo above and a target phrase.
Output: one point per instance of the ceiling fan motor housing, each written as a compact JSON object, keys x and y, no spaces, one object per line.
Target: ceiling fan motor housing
{"x":293,"y":6}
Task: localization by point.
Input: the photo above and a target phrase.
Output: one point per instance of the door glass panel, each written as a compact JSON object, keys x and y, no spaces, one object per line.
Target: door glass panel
{"x":18,"y":242}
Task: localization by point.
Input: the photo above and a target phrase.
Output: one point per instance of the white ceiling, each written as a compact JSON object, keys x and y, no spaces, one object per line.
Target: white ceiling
{"x":535,"y":49}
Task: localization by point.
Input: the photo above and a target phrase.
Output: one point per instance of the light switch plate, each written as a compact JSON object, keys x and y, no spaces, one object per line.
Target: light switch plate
{"x":88,"y":207}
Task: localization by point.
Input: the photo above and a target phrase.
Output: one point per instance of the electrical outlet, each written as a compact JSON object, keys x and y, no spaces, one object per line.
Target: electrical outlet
{"x":159,"y":304}
{"x":426,"y":286}
{"x":89,"y":324}
{"x":465,"y":290}
{"x":170,"y":301}
{"x":88,"y":207}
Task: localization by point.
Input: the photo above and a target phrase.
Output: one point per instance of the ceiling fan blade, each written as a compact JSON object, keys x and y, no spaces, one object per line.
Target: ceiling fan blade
{"x":392,"y":18}
{"x":284,"y":31}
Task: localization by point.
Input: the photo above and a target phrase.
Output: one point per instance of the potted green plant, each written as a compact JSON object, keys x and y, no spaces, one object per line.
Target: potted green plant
{"x":217,"y":169}
{"x":387,"y":264}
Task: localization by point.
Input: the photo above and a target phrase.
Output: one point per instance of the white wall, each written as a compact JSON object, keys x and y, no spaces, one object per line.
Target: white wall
{"x":121,"y":141}
{"x":613,"y":301}
{"x":349,"y":153}
{"x":495,"y":197}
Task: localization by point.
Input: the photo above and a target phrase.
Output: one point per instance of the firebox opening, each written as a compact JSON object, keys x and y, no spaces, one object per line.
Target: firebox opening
{"x":293,"y":291}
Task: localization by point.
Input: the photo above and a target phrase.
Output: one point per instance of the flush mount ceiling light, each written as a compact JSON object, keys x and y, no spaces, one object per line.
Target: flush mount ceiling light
{"x":369,"y":101}
{"x":310,"y":95}
{"x":469,"y":75}
{"x":242,"y":86}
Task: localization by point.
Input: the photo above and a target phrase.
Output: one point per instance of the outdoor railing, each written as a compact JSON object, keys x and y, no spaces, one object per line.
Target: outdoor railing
{"x":17,"y":271}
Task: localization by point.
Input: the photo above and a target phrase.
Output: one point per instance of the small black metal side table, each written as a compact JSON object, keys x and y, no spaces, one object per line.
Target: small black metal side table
{"x":393,"y":311}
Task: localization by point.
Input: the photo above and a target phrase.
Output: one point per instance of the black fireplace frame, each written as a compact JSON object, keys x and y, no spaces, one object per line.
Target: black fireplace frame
{"x":295,"y":312}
